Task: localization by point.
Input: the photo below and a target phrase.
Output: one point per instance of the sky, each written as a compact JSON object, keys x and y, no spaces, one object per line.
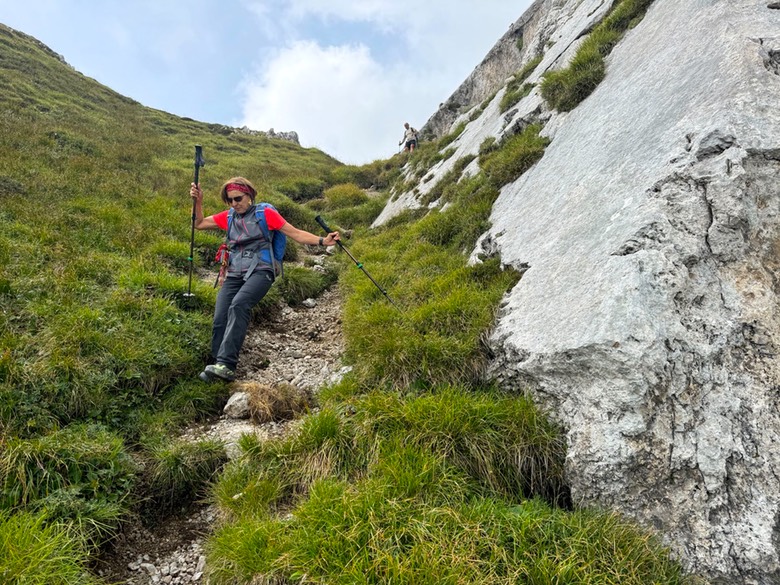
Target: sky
{"x":344,"y":74}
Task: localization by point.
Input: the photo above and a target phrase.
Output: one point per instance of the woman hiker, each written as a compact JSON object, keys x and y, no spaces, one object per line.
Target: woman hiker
{"x":249,"y":277}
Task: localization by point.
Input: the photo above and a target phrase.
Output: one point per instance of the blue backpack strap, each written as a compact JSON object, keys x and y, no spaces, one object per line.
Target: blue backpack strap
{"x":260,"y":215}
{"x":231,"y":213}
{"x":276,"y":240}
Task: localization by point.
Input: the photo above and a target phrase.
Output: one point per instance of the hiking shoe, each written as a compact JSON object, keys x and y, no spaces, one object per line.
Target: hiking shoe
{"x":220,"y":371}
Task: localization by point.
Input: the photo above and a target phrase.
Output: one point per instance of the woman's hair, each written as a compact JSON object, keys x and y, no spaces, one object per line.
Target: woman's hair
{"x":240,"y":181}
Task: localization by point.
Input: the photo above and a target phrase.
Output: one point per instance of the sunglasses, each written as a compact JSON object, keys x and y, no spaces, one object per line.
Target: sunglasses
{"x":237,"y":199}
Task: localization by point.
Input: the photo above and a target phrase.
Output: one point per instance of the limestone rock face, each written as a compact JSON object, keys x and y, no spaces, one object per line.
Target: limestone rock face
{"x":647,"y":320}
{"x":546,"y":23}
{"x":648,"y":316}
{"x":553,"y":28}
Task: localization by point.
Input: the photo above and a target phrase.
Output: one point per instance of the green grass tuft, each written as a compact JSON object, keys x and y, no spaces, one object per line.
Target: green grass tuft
{"x":179,"y":471}
{"x":81,"y":474}
{"x":301,"y":189}
{"x":301,"y":283}
{"x":346,"y":195}
{"x":359,"y":216}
{"x":514,"y":156}
{"x":516,"y":89}
{"x":36,"y":552}
{"x":566,"y":88}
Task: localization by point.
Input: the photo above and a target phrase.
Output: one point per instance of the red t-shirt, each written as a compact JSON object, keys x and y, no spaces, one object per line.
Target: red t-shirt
{"x":272,"y":218}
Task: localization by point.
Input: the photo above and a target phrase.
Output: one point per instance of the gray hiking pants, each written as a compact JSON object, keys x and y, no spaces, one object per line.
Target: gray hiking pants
{"x":232,"y":311}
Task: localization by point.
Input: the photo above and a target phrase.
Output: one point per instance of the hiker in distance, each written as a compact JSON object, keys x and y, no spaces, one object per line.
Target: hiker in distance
{"x":251,"y":268}
{"x":410,"y":138}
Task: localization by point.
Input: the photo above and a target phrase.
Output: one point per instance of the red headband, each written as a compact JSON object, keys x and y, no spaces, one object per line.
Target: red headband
{"x":238,"y":187}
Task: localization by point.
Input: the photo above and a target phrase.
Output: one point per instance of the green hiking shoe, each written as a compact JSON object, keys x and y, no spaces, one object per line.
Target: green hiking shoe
{"x":220,"y":371}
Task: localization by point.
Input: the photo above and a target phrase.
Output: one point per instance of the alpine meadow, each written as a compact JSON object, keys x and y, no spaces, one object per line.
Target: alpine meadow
{"x":413,"y":468}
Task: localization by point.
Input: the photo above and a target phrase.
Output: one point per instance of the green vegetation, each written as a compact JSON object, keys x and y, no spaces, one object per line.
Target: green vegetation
{"x":379,"y":174}
{"x":179,"y":471}
{"x":439,"y":488}
{"x":446,"y":304}
{"x":300,"y":284}
{"x":445,"y":141}
{"x":35,"y":552}
{"x":81,"y":473}
{"x":347,"y":195}
{"x":428,"y":154}
{"x":516,"y":89}
{"x":446,"y":188}
{"x":348,"y":205}
{"x":411,"y":470}
{"x":566,"y":88}
{"x":301,"y":189}
{"x":504,"y":163}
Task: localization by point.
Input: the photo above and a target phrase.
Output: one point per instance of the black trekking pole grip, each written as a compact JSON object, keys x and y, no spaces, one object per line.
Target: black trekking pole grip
{"x":327,"y":229}
{"x":322,"y":223}
{"x":199,"y":162}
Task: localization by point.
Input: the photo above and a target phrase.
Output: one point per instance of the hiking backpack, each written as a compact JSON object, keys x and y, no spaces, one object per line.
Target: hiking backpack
{"x":272,"y":254}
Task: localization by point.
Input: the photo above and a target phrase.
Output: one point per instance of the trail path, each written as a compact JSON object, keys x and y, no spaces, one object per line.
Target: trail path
{"x":301,"y":346}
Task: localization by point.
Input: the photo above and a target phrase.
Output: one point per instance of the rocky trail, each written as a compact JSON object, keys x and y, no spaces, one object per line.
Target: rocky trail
{"x":301,"y":346}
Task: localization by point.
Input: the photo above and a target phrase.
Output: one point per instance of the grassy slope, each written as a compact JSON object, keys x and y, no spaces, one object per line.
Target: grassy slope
{"x":97,"y":353}
{"x":95,"y":238}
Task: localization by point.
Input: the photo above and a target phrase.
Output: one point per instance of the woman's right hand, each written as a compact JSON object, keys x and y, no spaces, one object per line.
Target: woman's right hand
{"x":196,"y":192}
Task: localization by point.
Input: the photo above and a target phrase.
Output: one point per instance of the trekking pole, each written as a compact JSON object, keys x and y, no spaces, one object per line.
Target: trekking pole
{"x":199,"y":162}
{"x":321,"y":221}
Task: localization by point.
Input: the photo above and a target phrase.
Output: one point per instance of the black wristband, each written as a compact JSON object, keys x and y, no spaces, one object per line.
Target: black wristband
{"x":321,"y":241}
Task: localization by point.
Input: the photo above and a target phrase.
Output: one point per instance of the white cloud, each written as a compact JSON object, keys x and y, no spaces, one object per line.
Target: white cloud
{"x":378,"y":11}
{"x":334,"y":97}
{"x":436,"y":29}
{"x":346,"y":100}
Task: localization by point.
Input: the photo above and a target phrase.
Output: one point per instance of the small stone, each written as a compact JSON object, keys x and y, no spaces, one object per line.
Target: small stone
{"x":238,"y":406}
{"x":150,"y":568}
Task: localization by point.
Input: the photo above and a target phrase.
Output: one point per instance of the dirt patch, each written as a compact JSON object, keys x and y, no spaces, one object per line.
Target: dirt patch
{"x":299,"y":345}
{"x":169,"y":552}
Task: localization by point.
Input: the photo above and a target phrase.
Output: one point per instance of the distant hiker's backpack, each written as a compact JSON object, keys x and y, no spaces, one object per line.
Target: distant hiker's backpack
{"x":273,"y":253}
